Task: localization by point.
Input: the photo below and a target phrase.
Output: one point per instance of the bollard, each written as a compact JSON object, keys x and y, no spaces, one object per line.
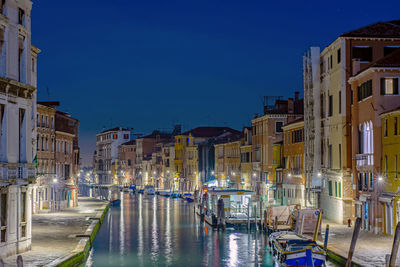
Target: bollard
{"x":356,"y":231}
{"x":1,"y":262}
{"x":255,"y":217}
{"x":326,"y":237}
{"x":20,"y":262}
{"x":395,"y":248}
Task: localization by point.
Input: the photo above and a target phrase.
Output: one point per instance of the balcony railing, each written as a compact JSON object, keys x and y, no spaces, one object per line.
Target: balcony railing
{"x":364,"y":160}
{"x":14,"y":171}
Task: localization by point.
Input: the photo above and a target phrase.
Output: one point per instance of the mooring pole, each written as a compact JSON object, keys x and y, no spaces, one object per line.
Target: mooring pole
{"x":248,"y":216}
{"x":395,"y":248}
{"x":356,"y":231}
{"x":326,"y":237}
{"x":317,"y":226}
{"x":276,"y":224}
{"x":255,"y":216}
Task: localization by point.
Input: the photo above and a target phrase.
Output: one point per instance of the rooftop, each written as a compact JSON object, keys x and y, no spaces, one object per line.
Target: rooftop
{"x":210,"y":131}
{"x":388,"y":29}
{"x":129,"y":143}
{"x":115,"y":129}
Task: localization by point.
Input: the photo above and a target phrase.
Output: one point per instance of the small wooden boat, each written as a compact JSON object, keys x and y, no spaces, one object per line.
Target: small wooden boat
{"x":291,"y":249}
{"x":141,"y":191}
{"x":149,"y":190}
{"x":115,"y":202}
{"x":189,"y":199}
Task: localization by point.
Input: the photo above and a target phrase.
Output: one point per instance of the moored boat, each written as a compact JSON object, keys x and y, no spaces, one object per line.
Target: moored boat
{"x":115,"y":202}
{"x":291,"y":249}
{"x":149,"y":190}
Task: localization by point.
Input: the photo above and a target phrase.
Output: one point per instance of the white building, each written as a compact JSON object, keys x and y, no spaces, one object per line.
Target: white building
{"x":107,"y":152}
{"x":17,"y":125}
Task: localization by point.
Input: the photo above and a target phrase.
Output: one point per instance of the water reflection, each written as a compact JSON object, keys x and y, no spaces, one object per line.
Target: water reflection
{"x":154,"y":231}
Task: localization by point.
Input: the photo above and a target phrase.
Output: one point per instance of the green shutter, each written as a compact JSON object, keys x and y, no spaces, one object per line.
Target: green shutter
{"x":340,"y":189}
{"x":330,"y":188}
{"x":336,"y":193}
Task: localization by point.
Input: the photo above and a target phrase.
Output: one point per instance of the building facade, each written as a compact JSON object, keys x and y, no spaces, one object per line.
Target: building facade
{"x":293,"y":182}
{"x":18,"y":78}
{"x":390,"y":177}
{"x":246,"y":166}
{"x":126,"y":163}
{"x":107,"y":144}
{"x":328,"y":117}
{"x":266,"y":131}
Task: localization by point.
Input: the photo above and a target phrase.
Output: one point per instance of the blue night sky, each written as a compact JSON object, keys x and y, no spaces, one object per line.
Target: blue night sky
{"x":151,"y":64}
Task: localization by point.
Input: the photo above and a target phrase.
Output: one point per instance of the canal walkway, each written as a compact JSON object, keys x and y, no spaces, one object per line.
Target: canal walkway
{"x":370,"y":248}
{"x":58,"y":236}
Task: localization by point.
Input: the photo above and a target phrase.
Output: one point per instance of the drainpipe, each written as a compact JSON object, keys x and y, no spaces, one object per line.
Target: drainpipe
{"x":18,"y":209}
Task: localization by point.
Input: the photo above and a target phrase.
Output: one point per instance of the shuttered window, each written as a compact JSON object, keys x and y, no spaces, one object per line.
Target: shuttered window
{"x":389,"y":86}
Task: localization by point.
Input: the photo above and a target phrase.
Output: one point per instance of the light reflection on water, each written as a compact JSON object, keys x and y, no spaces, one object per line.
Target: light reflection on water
{"x":158,"y":231}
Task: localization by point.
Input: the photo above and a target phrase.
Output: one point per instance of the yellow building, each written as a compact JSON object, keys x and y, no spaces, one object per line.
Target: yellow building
{"x":293,"y":183}
{"x":390,"y":169}
{"x":246,"y":166}
{"x":227,"y":160}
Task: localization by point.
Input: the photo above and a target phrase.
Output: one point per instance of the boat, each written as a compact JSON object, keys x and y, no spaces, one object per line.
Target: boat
{"x":133,"y":188}
{"x":115,"y":202}
{"x":125,"y":189}
{"x":141,"y":191}
{"x":164,"y":193}
{"x":149,"y":190}
{"x":291,"y":249}
{"x":189,"y":199}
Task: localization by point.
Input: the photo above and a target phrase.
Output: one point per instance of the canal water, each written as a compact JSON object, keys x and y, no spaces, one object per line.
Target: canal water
{"x":159,"y":231}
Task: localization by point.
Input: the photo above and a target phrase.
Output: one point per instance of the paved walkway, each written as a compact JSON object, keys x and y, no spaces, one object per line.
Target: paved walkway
{"x":54,"y":234}
{"x":370,"y":248}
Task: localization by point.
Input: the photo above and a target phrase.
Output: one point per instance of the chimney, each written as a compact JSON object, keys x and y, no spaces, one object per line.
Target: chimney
{"x":255,"y":116}
{"x":290,"y":106}
{"x":356,"y":66}
{"x":296,"y":95}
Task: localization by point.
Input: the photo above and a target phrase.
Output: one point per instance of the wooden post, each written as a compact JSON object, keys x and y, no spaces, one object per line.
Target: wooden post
{"x":317,"y":226}
{"x":356,"y":231}
{"x":276,"y":224}
{"x":20,"y":262}
{"x":326,"y":237}
{"x":301,"y":224}
{"x":261,"y":214}
{"x":395,"y":248}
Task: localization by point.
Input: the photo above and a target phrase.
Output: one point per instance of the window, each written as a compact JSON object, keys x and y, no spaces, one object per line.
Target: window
{"x":115,"y":136}
{"x":364,"y":53}
{"x":340,"y":156}
{"x":330,"y":105}
{"x":339,"y":56}
{"x":340,"y":102}
{"x":330,"y":188}
{"x":66,"y":171}
{"x":340,"y":189}
{"x":389,"y":86}
{"x":364,"y":90}
{"x":389,"y":49}
{"x":126,"y":136}
{"x":360,"y":182}
{"x":351,"y":97}
{"x":336,"y":189}
{"x":371,"y":182}
{"x":278,"y":126}
{"x":395,"y":125}
{"x":386,"y":164}
{"x":21,"y":16}
{"x":330,"y":61}
{"x":385,"y":128}
{"x":23,"y":214}
{"x":330,"y":156}
{"x":3,"y":217}
{"x":395,"y":167}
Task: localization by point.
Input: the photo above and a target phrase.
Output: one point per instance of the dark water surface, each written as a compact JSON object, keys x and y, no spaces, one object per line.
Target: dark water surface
{"x":159,"y":231}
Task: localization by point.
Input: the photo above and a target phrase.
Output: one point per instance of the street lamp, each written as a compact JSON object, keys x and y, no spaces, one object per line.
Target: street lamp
{"x":319,"y":174}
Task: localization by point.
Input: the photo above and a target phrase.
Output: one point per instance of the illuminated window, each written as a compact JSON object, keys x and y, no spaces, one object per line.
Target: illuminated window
{"x":115,"y":136}
{"x":389,"y":86}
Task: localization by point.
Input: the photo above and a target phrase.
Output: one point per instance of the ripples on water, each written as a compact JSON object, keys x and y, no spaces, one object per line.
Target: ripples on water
{"x":159,"y":231}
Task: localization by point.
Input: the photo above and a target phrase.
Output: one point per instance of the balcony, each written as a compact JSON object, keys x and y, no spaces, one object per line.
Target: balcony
{"x":9,"y":172}
{"x":364,"y":162}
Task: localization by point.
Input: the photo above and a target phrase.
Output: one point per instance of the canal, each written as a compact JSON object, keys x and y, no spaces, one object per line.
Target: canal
{"x":159,"y":231}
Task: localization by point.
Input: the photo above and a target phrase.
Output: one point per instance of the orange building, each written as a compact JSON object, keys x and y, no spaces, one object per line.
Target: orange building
{"x":293,"y":184}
